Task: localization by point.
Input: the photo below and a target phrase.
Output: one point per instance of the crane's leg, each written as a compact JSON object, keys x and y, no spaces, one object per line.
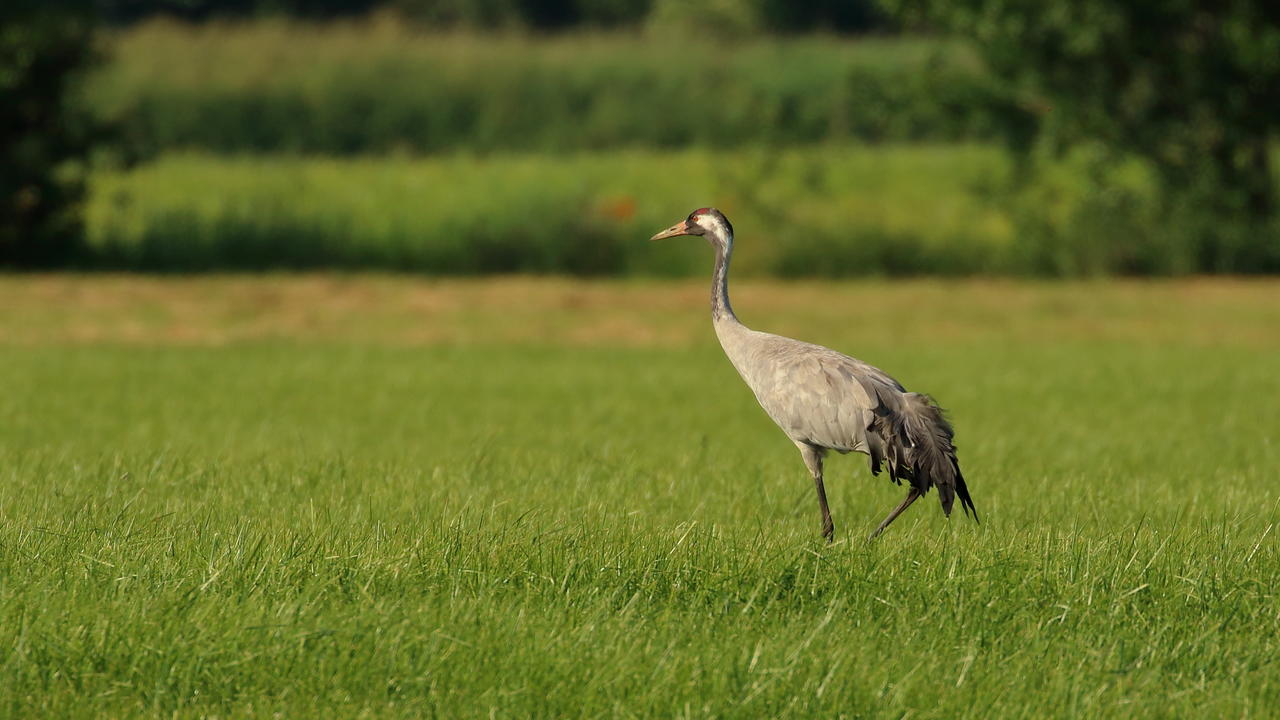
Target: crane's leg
{"x":813,"y":460}
{"x":912,"y":494}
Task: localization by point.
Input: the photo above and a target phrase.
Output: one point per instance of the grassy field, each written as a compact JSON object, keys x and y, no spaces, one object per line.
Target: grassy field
{"x":342,"y":495}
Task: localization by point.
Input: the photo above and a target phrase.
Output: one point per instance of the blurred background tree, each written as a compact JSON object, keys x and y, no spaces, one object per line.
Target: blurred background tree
{"x":1189,"y":86}
{"x":775,"y":15}
{"x":45,"y":133}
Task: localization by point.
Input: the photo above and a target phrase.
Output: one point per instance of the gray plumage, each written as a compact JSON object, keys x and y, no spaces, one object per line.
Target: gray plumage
{"x":824,"y":400}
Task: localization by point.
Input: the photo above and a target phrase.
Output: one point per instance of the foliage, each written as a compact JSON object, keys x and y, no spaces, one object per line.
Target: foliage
{"x":778,"y":15}
{"x":379,"y":86}
{"x":698,"y":20}
{"x":44,"y":134}
{"x":818,"y":211}
{"x":548,"y":530}
{"x":1189,"y":87}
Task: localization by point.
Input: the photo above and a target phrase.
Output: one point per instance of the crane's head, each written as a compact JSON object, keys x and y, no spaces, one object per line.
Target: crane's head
{"x":703,"y":221}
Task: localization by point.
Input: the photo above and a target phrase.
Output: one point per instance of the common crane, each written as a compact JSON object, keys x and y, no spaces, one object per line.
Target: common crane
{"x":824,"y":400}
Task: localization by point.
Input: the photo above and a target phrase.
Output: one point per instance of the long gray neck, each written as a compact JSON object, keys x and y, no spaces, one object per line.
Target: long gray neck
{"x":720,"y":307}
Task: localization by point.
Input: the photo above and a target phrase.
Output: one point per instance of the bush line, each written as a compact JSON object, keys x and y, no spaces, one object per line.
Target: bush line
{"x":379,"y":87}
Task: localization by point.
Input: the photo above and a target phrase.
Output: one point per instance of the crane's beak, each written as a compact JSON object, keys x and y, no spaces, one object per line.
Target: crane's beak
{"x":680,"y":228}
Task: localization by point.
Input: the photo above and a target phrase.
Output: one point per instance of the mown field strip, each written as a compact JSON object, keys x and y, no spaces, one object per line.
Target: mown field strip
{"x":405,"y":310}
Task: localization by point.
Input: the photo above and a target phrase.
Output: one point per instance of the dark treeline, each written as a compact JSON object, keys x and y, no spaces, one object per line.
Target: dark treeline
{"x":844,"y":16}
{"x":45,"y":135}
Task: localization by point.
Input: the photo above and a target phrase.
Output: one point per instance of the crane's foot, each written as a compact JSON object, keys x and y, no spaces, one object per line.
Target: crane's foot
{"x":912,"y":494}
{"x":829,"y":531}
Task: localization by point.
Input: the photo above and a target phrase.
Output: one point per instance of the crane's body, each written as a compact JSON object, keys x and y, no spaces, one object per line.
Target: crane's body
{"x":816,"y":395}
{"x":825,"y":400}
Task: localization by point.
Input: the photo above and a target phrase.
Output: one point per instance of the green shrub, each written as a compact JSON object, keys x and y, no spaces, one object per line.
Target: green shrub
{"x":379,"y":87}
{"x":1093,"y":211}
{"x":1187,"y":89}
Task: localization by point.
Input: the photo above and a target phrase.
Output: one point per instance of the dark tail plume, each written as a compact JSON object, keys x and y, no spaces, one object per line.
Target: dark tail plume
{"x":962,"y":492}
{"x":931,"y":456}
